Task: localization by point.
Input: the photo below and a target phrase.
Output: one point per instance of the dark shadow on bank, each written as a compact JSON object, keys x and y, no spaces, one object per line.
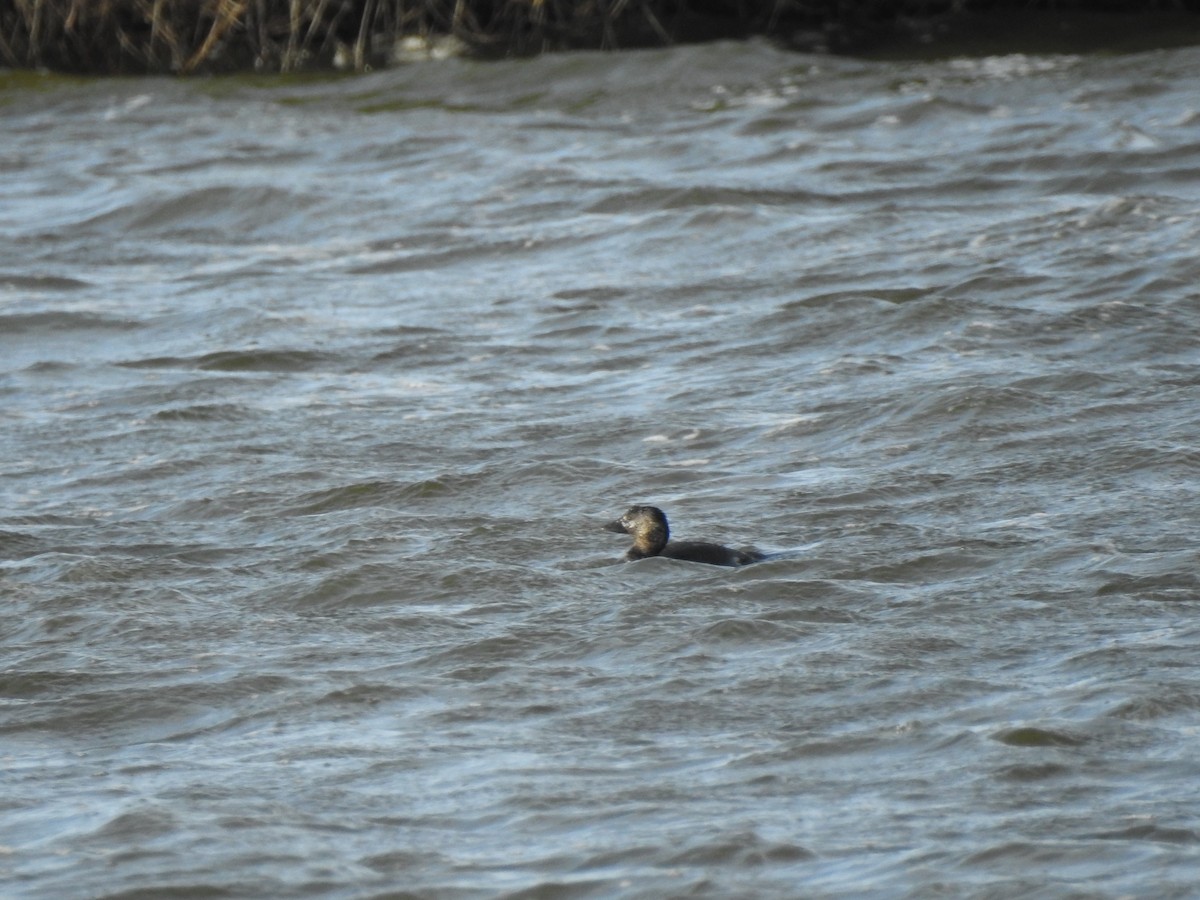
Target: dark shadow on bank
{"x":193,"y":37}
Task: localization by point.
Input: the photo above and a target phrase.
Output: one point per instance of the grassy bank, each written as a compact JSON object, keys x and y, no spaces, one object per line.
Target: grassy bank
{"x":192,"y":36}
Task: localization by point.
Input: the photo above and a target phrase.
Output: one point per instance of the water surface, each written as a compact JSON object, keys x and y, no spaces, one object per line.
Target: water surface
{"x":317,"y":392}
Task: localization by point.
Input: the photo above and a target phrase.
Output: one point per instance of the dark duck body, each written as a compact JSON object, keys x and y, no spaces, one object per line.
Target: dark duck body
{"x":652,"y":537}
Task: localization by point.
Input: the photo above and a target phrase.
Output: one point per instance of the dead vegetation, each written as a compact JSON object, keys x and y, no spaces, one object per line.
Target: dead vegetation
{"x":193,"y":36}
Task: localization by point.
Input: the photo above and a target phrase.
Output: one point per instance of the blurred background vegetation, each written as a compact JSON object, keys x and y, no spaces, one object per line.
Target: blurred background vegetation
{"x":207,"y":36}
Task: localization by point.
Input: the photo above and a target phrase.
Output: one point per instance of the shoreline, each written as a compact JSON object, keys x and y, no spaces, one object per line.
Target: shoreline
{"x":184,"y":37}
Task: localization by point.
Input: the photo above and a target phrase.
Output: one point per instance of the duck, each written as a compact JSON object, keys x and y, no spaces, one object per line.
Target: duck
{"x":652,"y":537}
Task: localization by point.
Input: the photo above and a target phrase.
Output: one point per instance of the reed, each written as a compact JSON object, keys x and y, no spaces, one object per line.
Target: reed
{"x":192,"y":36}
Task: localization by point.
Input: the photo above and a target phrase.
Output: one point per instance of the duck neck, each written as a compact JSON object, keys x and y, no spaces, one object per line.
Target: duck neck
{"x":650,"y":540}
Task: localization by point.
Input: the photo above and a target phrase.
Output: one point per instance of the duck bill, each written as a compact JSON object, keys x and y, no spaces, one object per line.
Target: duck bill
{"x":615,"y":526}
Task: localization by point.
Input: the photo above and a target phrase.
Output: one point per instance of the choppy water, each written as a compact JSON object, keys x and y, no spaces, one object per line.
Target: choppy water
{"x":316,"y":393}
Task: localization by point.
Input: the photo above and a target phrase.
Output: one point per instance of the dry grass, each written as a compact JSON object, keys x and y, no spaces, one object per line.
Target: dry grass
{"x":190,"y":36}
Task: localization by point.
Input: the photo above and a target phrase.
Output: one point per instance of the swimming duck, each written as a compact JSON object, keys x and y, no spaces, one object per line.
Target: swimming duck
{"x":651,"y":537}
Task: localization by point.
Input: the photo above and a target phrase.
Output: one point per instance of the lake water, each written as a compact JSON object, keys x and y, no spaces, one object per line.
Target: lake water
{"x":316,"y":394}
